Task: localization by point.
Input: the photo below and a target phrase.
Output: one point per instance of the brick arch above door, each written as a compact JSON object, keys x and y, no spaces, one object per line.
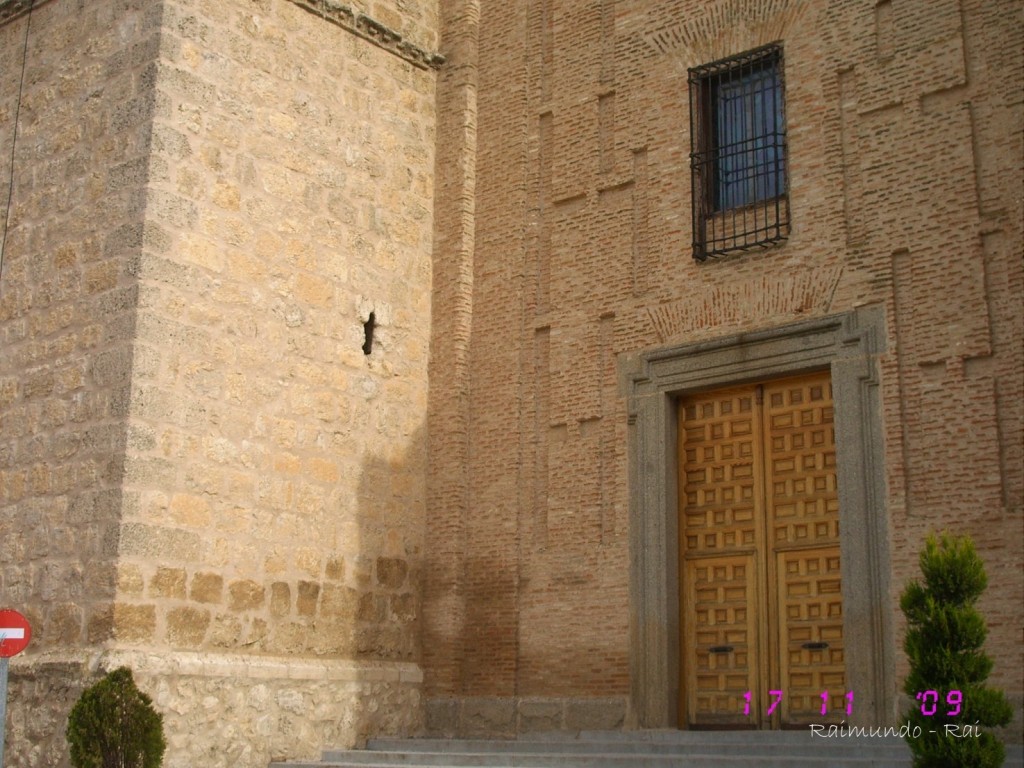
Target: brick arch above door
{"x":848,"y":345}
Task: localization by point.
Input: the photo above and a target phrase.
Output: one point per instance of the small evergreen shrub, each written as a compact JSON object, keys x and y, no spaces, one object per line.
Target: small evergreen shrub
{"x":114,"y":725}
{"x":948,"y":668}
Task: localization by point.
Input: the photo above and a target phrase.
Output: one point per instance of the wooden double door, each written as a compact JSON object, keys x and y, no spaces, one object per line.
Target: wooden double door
{"x":760,"y":593}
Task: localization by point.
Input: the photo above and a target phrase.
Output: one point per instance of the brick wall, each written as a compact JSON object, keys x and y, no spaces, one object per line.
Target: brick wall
{"x":905,"y":170}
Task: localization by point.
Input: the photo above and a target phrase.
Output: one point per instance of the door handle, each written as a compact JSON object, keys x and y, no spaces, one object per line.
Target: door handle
{"x":720,"y":649}
{"x":819,"y":646}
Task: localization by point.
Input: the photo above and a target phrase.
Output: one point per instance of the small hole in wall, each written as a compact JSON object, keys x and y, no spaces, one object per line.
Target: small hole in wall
{"x":368,"y":326}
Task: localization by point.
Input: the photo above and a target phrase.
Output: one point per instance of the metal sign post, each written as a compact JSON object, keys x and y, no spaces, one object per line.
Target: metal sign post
{"x":4,"y":664}
{"x":15,"y":634}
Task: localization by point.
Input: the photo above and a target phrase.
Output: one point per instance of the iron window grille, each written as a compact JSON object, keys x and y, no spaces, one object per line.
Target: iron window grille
{"x":738,"y":153}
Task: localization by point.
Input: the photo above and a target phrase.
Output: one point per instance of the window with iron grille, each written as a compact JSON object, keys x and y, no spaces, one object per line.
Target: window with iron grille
{"x":738,"y":153}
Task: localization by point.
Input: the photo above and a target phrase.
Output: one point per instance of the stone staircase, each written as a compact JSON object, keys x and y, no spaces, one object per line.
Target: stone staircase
{"x":629,"y":749}
{"x":635,"y":749}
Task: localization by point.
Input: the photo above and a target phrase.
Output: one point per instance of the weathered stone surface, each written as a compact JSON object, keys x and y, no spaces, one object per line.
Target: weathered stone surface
{"x":221,"y":710}
{"x":492,"y":716}
{"x":245,"y":595}
{"x":442,"y":716}
{"x":280,"y":599}
{"x":306,"y":601}
{"x":134,"y":623}
{"x":335,"y":569}
{"x":206,"y":588}
{"x":186,"y":627}
{"x":338,"y":601}
{"x":168,"y":582}
{"x":391,"y":572}
{"x":208,"y":200}
{"x":541,"y":715}
{"x":595,"y":714}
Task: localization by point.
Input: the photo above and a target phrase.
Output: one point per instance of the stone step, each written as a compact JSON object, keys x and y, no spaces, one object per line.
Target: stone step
{"x":722,"y":745}
{"x":448,"y":760}
{"x":633,"y":749}
{"x":648,"y":749}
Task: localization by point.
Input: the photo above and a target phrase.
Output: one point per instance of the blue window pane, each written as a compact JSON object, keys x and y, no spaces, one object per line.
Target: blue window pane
{"x":749,"y":139}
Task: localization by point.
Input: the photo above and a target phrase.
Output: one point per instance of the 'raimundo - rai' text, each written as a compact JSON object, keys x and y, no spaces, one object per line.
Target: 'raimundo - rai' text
{"x":843,"y":731}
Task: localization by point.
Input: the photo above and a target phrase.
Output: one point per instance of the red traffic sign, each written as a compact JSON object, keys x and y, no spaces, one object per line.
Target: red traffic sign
{"x":14,"y":633}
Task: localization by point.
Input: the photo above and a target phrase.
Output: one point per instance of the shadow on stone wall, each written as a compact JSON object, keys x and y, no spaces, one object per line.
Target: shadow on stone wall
{"x":389,"y":580}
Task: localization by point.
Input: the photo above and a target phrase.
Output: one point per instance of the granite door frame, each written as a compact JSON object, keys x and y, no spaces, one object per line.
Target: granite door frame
{"x":847,"y":345}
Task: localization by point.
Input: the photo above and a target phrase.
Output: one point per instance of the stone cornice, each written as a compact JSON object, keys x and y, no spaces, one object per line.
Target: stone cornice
{"x":372,"y":31}
{"x":337,"y":13}
{"x":13,"y":9}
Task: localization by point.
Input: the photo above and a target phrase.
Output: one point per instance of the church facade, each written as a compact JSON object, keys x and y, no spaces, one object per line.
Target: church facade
{"x":462,"y":368}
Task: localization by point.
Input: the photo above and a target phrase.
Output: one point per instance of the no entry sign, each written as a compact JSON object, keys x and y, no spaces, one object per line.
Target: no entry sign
{"x":14,"y":636}
{"x":14,"y":633}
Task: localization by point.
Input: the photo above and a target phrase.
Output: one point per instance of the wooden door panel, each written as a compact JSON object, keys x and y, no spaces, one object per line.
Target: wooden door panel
{"x":810,"y":635}
{"x":802,"y":511}
{"x":802,"y":503}
{"x":720,"y":640}
{"x":719,"y":473}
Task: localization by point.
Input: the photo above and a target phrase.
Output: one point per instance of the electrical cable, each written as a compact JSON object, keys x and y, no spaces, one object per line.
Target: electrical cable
{"x":14,"y":144}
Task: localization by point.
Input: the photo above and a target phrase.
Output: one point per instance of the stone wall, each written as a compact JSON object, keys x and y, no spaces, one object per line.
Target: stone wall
{"x":220,"y":709}
{"x":231,"y":268}
{"x":905,"y":170}
{"x":77,"y":85}
{"x":275,"y":468}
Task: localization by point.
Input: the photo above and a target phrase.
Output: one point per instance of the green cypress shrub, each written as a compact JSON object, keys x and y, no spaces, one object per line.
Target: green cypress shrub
{"x":948,"y":668}
{"x":114,"y":725}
